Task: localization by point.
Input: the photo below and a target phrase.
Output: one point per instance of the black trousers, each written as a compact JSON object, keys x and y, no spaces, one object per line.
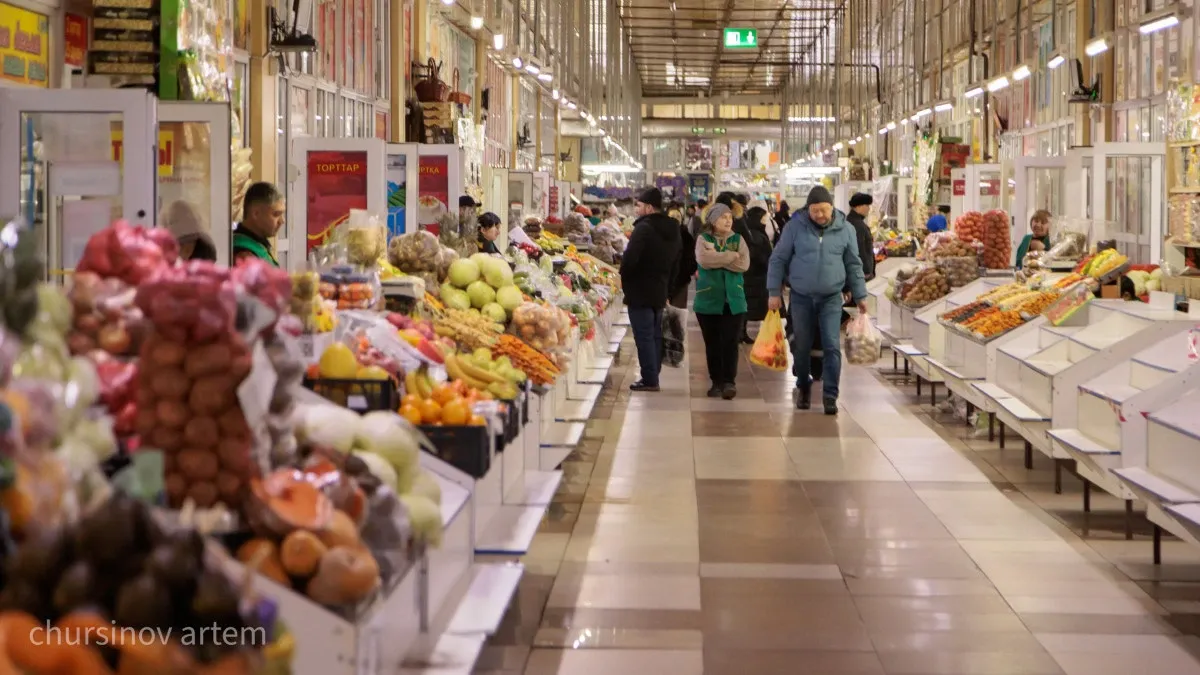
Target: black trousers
{"x":722,"y":332}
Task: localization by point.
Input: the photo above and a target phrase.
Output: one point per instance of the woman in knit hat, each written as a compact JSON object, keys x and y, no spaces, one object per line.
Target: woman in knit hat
{"x":723,"y":256}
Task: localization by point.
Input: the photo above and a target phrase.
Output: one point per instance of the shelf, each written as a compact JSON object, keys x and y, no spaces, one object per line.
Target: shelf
{"x":538,"y":489}
{"x":1020,"y":411}
{"x":1171,"y":356}
{"x":908,"y":350}
{"x":487,"y":599}
{"x":549,"y":459}
{"x":574,"y":411}
{"x":510,"y":531}
{"x":1076,"y":442}
{"x":444,"y":654}
{"x":1114,"y":393}
{"x":1154,"y":489}
{"x":1181,"y":416}
{"x":562,"y":434}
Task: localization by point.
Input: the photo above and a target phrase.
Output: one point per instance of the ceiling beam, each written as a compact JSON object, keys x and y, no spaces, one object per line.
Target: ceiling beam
{"x":742,"y":99}
{"x":716,"y":61}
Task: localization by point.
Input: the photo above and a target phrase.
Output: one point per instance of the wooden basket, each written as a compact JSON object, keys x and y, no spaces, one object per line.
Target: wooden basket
{"x":432,"y":89}
{"x":457,"y":96}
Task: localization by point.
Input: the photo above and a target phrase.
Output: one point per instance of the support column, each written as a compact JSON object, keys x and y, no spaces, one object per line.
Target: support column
{"x":516,"y":117}
{"x":537,"y":132}
{"x":1082,"y":114}
{"x":400,"y":58}
{"x":481,"y":63}
{"x":420,"y":29}
{"x":1105,"y":19}
{"x":264,"y":98}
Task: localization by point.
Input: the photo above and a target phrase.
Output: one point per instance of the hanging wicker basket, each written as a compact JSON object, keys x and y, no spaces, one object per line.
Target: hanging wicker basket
{"x":432,"y":89}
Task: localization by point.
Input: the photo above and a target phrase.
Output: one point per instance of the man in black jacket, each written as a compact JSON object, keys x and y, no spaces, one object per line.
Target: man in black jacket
{"x":648,"y":269}
{"x":860,"y":206}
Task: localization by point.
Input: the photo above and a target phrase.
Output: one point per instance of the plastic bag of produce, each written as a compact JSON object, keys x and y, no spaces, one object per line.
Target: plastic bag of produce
{"x":132,"y":254}
{"x":770,"y":348}
{"x":415,"y":252}
{"x":674,"y":336}
{"x":578,"y":230}
{"x":863,"y":341}
{"x":196,"y":302}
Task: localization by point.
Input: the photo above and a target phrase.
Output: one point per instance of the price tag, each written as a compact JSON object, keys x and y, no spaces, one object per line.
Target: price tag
{"x":356,"y":402}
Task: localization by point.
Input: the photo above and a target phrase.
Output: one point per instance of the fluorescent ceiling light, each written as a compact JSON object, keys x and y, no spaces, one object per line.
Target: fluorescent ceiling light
{"x":973,"y":92}
{"x":673,"y":5}
{"x":476,"y":22}
{"x":607,"y":168}
{"x":891,"y":126}
{"x":904,"y":120}
{"x":498,"y":41}
{"x":1021,"y":72}
{"x":603,"y":132}
{"x":448,"y":3}
{"x":858,"y":140}
{"x":532,"y":69}
{"x":943,"y":106}
{"x":1155,"y":25}
{"x":517,"y":62}
{"x":998,"y":83}
{"x":545,"y":77}
{"x":1056,"y":61}
{"x":1097,"y":46}
{"x":866,"y":135}
{"x":922,"y":112}
{"x":554,"y":94}
{"x":883,"y":131}
{"x":837,"y":146}
{"x":799,"y":171}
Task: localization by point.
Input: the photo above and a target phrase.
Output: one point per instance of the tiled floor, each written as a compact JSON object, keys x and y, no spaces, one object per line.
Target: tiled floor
{"x":693,"y":535}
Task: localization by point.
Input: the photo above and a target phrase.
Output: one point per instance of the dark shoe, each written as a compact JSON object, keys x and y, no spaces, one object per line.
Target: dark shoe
{"x":746,"y":339}
{"x":803,"y":399}
{"x":728,"y":392}
{"x":830,"y":406}
{"x":642,"y":386}
{"x":714,"y":391}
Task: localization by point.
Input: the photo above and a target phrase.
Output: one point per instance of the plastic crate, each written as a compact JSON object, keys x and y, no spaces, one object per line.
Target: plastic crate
{"x":358,"y":395}
{"x":466,"y":448}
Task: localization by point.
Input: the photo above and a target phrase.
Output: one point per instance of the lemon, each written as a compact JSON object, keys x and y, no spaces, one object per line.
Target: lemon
{"x":338,"y":362}
{"x":372,"y":373}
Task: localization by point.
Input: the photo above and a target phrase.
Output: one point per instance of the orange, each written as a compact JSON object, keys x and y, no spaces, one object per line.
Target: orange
{"x":477,"y":421}
{"x":444,"y":393}
{"x":455,"y":412}
{"x":411,"y":399}
{"x":412,"y":413}
{"x":431,"y":411}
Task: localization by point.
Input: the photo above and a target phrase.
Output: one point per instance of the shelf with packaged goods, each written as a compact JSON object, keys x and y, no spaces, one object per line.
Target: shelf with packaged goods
{"x":1113,"y":404}
{"x":1038,"y":374}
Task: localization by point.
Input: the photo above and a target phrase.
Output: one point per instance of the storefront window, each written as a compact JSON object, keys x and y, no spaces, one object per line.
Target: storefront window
{"x":300,"y":112}
{"x":241,"y":101}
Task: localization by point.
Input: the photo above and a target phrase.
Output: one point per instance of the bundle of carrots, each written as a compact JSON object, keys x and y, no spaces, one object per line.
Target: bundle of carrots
{"x":536,"y":365}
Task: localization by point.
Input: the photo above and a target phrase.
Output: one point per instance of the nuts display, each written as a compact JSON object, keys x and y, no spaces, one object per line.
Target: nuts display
{"x":959,"y":271}
{"x":924,"y":287}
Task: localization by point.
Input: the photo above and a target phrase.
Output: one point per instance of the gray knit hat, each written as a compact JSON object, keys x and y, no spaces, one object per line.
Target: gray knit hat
{"x":714,"y":214}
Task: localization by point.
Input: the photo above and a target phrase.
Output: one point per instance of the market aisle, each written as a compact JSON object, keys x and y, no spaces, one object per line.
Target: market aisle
{"x":743,"y":538}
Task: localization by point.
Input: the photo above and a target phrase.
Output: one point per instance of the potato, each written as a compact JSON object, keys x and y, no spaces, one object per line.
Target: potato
{"x":170,"y":383}
{"x":197,"y":464}
{"x":163,"y":354}
{"x":229,"y":487}
{"x":172,"y":414}
{"x":209,"y":360}
{"x":203,"y":493}
{"x":213,"y":395}
{"x":176,"y":487}
{"x":167,"y":440}
{"x":202,"y":432}
{"x":146,"y":420}
{"x":234,"y":455}
{"x":233,"y":424}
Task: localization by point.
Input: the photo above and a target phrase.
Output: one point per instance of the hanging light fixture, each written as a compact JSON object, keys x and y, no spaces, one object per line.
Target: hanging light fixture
{"x":998,"y":83}
{"x":1056,"y":60}
{"x":498,"y":42}
{"x":1164,"y":18}
{"x":1021,"y":72}
{"x":973,"y":92}
{"x":476,"y":22}
{"x":1097,"y":46}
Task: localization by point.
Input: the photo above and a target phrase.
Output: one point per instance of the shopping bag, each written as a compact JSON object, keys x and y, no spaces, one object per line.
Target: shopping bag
{"x":673,"y":336}
{"x":863,"y":341}
{"x":770,"y":348}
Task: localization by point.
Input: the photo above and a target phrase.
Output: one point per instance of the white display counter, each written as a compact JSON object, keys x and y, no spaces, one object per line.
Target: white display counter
{"x":1039,"y":372}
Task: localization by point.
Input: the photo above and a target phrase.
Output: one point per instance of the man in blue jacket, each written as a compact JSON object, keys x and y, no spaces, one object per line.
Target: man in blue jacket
{"x":818,"y":255}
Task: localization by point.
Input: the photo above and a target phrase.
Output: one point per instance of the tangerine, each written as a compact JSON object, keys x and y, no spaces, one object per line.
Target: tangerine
{"x":477,"y":421}
{"x":444,"y":393}
{"x":456,"y":412}
{"x":411,"y":413}
{"x":431,"y":411}
{"x":411,"y":400}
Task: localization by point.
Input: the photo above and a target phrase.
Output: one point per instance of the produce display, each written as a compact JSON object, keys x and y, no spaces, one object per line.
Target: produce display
{"x":532,"y":362}
{"x":991,"y":322}
{"x":578,"y":230}
{"x":308,"y":302}
{"x":997,"y":240}
{"x":969,"y":227}
{"x":959,"y":271}
{"x":1102,"y":264}
{"x":483,"y":283}
{"x":1145,"y":281}
{"x":924,"y":287}
{"x":1070,"y":302}
{"x":542,"y":327}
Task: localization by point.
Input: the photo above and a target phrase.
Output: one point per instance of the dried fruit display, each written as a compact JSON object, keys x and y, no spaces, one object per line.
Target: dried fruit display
{"x":1000,"y":293}
{"x":1036,"y":304}
{"x":959,"y":271}
{"x":964,"y":313}
{"x":990,"y":324}
{"x":1068,"y":281}
{"x":997,"y":240}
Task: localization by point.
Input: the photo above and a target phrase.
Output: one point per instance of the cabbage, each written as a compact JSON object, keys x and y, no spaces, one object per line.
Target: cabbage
{"x":1139,"y":279}
{"x":509,"y":297}
{"x":456,"y":299}
{"x":494,"y":312}
{"x":380,"y":468}
{"x":328,"y":425}
{"x":425,"y":517}
{"x":497,"y":273}
{"x":427,"y":486}
{"x":480,"y":294}
{"x":1154,"y":285}
{"x":54,"y":309}
{"x":388,"y":435}
{"x":83,"y":374}
{"x":1157,"y":273}
{"x":463,"y":272}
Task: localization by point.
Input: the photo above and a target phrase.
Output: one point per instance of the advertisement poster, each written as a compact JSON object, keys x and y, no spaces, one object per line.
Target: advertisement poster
{"x":337,"y":182}
{"x":433,"y":188}
{"x":24,"y":44}
{"x":75,"y":43}
{"x":397,"y":194}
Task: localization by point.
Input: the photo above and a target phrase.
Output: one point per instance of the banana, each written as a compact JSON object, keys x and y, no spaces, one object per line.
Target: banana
{"x":410,"y":383}
{"x":505,"y":391}
{"x":478,"y":373}
{"x":454,"y":368}
{"x":424,"y":384}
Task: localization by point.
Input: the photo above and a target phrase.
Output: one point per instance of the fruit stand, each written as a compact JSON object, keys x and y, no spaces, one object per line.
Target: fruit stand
{"x":325,"y":467}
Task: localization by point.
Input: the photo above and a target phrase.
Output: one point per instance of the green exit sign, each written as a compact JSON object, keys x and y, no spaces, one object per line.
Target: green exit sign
{"x":741,"y":38}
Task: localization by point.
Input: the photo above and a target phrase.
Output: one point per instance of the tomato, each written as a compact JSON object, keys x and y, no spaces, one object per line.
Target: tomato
{"x":456,"y":412}
{"x":411,"y":413}
{"x":431,"y":411}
